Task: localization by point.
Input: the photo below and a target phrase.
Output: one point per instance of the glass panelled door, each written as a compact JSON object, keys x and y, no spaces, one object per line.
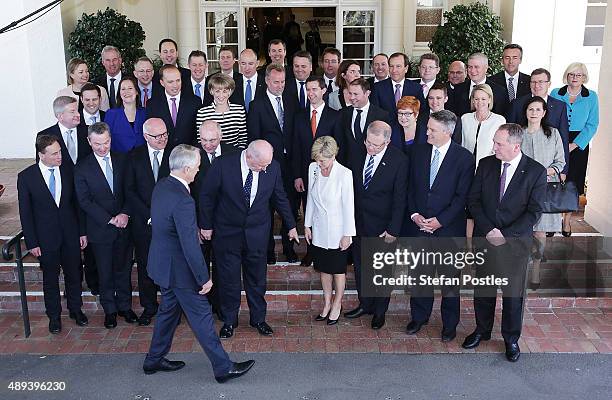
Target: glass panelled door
{"x":220,"y":27}
{"x":358,"y":36}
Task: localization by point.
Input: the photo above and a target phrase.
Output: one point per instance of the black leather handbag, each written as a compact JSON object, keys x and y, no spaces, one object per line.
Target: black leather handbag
{"x":561,"y":196}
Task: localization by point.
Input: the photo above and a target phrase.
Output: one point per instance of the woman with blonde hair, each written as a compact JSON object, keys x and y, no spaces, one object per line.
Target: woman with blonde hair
{"x":78,"y":75}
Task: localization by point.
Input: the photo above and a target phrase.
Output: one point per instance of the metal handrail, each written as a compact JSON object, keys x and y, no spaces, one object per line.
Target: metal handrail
{"x":15,"y":242}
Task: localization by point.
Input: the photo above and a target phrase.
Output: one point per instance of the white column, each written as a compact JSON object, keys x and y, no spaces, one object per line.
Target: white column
{"x":35,"y":73}
{"x":187,"y":28}
{"x":598,"y":211}
{"x":393,"y":26}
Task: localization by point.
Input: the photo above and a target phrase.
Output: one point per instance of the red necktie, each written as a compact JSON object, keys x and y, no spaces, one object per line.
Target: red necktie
{"x":146,"y":97}
{"x":313,"y":123}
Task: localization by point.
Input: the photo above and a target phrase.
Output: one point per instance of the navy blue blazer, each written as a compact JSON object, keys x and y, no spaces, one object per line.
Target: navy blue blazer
{"x":44,"y":224}
{"x":447,"y":198}
{"x":175,"y":257}
{"x":184,"y":132}
{"x":523,"y":200}
{"x":224,"y":209}
{"x":83,"y":147}
{"x":198,"y":181}
{"x":522,"y":87}
{"x":97,"y":201}
{"x":383,"y":95}
{"x":124,"y":137}
{"x":383,"y":205}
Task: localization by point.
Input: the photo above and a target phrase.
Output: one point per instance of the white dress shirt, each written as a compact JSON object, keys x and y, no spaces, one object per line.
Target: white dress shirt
{"x":376,"y":80}
{"x":184,"y":182}
{"x":514,"y":81}
{"x":217,"y":153}
{"x":511,"y":169}
{"x":253,"y":80}
{"x":88,"y":117}
{"x":193,"y":87}
{"x":429,"y":85}
{"x":64,"y":132}
{"x":364,"y":116}
{"x":117,"y":79}
{"x":377,"y":158}
{"x":44,"y":170}
{"x":244,"y":169}
{"x":472,"y":84}
{"x":318,"y":114}
{"x":178,"y":100}
{"x":160,"y":155}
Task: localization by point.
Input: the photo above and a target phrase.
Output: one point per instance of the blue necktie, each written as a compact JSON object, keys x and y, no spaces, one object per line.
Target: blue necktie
{"x":197,"y":90}
{"x":108,"y":173}
{"x":248,"y":95}
{"x":52,"y":182}
{"x":302,"y":95}
{"x":279,"y":112}
{"x":368,"y":173}
{"x":433,"y":170}
{"x":247,"y":188}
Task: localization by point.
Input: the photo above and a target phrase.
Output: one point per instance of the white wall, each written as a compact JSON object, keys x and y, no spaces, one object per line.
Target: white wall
{"x":38,"y":51}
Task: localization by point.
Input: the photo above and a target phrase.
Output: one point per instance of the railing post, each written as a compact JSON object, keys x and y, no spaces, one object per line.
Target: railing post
{"x":6,"y":254}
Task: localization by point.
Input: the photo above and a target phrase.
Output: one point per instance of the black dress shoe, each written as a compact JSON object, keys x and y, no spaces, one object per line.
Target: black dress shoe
{"x":263,"y":328}
{"x":306,"y":261}
{"x":110,"y":320}
{"x":237,"y":370}
{"x":355,"y":313}
{"x":271,"y":259}
{"x":55,"y":325}
{"x":226,"y":332}
{"x":474,"y":339}
{"x":319,"y":317}
{"x":79,"y":318}
{"x":94,"y":292}
{"x":414,"y":326}
{"x":129,"y":316}
{"x":513,"y":352}
{"x":550,"y":234}
{"x":448,"y":334}
{"x":378,"y":322}
{"x":163,"y":365}
{"x":567,"y":233}
{"x":145,"y":318}
{"x":291,"y":256}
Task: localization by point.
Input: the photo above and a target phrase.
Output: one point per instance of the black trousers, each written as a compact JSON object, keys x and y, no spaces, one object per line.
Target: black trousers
{"x":292,"y":196}
{"x":147,"y":289}
{"x":213,"y":295}
{"x":114,"y":274}
{"x":68,"y":258}
{"x":90,"y":271}
{"x":373,"y":305}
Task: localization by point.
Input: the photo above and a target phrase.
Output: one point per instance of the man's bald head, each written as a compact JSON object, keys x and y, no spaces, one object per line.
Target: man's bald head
{"x":456,"y":72}
{"x":155,"y":133}
{"x":248,"y":63}
{"x":210,"y":136}
{"x":259,"y":155}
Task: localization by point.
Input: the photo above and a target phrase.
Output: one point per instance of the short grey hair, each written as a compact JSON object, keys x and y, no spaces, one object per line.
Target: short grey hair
{"x":109,"y":48}
{"x":183,"y":156}
{"x":447,"y":118}
{"x":60,"y":103}
{"x":515,"y":133}
{"x":98,"y":128}
{"x":209,"y":124}
{"x":479,"y":56}
{"x":378,"y":128}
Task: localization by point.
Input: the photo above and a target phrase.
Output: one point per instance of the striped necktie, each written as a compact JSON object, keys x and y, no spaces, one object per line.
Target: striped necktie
{"x":368,"y":173}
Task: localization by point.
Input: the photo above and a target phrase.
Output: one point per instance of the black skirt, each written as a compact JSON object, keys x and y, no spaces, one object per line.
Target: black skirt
{"x":329,"y":261}
{"x":578,"y":161}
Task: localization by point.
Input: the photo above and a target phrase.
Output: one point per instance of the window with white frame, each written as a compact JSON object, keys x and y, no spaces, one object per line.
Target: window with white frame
{"x":428,"y":17}
{"x":358,"y":37}
{"x":594,"y":24}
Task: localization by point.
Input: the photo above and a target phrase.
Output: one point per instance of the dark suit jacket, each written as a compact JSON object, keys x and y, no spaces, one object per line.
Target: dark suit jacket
{"x":384,"y":97}
{"x":84,"y":124}
{"x":223,"y":207}
{"x":291,"y":91}
{"x":44,"y":224}
{"x":185,"y":79}
{"x":139,"y":186}
{"x":460,"y":104}
{"x":263,"y":124}
{"x":97,"y":201}
{"x":350,"y":145}
{"x":397,"y":133}
{"x":523,"y":83}
{"x":236,"y":98}
{"x":556,"y":116}
{"x":184,"y":131}
{"x":447,"y":198}
{"x":303,"y":140}
{"x":521,"y":205}
{"x":205,"y":165}
{"x":83,"y":147}
{"x":382,"y":206}
{"x":175,"y":257}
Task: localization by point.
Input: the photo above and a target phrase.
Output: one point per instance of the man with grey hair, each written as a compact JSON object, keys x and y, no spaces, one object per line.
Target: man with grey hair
{"x":506,"y":200}
{"x":235,"y":213}
{"x":71,"y":135}
{"x":112,"y":62}
{"x":459,"y":98}
{"x":441,"y":172}
{"x":380,"y":178}
{"x":184,"y":286}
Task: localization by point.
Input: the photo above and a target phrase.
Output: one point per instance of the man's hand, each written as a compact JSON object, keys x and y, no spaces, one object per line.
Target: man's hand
{"x":431,"y":224}
{"x":206,"y":234}
{"x":307,"y":234}
{"x":387,"y":236}
{"x":419,"y":220}
{"x":495,"y":237}
{"x":293,"y":235}
{"x":83,"y":242}
{"x":35,"y":252}
{"x":572,"y":147}
{"x":345,"y":242}
{"x":121,"y":220}
{"x":299,"y":185}
{"x":206,"y":287}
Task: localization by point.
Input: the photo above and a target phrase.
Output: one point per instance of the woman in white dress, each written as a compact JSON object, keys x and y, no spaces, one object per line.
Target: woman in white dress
{"x":78,"y":75}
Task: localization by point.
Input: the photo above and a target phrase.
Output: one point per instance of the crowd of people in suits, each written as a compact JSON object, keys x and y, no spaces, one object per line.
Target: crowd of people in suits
{"x":185,"y":170}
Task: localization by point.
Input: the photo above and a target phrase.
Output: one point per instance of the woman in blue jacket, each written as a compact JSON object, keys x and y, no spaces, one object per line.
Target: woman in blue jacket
{"x":126,"y":120}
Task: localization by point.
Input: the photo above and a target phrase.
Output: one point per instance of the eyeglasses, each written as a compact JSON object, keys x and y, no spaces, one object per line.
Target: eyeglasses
{"x":374,"y":146}
{"x":428,"y":67}
{"x":573,"y":75}
{"x":405,"y":114}
{"x":538,"y":82}
{"x":158,"y":137}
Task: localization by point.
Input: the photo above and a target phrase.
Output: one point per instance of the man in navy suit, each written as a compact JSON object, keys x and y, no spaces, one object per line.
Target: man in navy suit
{"x":441,"y":172}
{"x":90,"y":99}
{"x":177,"y":266}
{"x":380,"y":69}
{"x":380,"y":178}
{"x":149,"y":164}
{"x":387,"y":93}
{"x":198,"y":65}
{"x":556,"y":114}
{"x":295,"y":88}
{"x":169,"y":54}
{"x":241,"y":189}
{"x":253,"y":81}
{"x":514,"y":82}
{"x":227,"y":61}
{"x":99,"y":183}
{"x":271,"y":118}
{"x":506,"y":200}
{"x":429,"y":67}
{"x":52,"y":229}
{"x":177,"y":107}
{"x":112,"y":62}
{"x":147,"y":86}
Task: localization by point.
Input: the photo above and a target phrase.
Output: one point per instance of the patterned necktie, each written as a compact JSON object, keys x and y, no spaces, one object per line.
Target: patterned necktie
{"x":145,"y":97}
{"x":109,"y":173}
{"x":368,"y":173}
{"x":93,"y":119}
{"x":247,"y":188}
{"x":52,"y":183}
{"x":511,"y":92}
{"x":174,"y":111}
{"x":280,"y":114}
{"x":71,"y":145}
{"x":248,"y":95}
{"x":313,"y":123}
{"x":112,"y":96}
{"x":197,"y":90}
{"x":502,"y":181}
{"x":213,"y":155}
{"x":425,"y":89}
{"x":155,"y":165}
{"x":302,"y":95}
{"x":357,"y":126}
{"x":433,"y":169}
{"x":398,"y":92}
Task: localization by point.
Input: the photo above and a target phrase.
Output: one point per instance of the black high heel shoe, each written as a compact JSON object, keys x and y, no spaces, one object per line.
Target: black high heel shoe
{"x":567,"y":233}
{"x":333,"y":321}
{"x":319,"y":317}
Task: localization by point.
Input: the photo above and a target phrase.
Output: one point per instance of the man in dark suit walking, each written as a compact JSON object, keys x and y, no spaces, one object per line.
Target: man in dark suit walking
{"x":52,"y":228}
{"x":514,"y":82}
{"x":177,"y":266}
{"x":441,"y":172}
{"x":100,"y":188}
{"x":241,"y":189}
{"x":380,"y":179}
{"x":506,"y":200}
{"x":149,"y":164}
